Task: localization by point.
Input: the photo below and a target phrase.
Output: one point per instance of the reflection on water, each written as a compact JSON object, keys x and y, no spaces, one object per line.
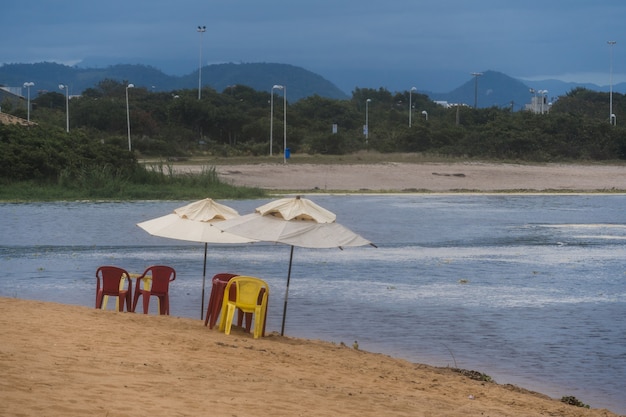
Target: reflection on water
{"x":528,"y":289}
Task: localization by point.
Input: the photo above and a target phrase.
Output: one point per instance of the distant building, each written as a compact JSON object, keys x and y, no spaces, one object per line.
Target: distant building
{"x":538,"y":102}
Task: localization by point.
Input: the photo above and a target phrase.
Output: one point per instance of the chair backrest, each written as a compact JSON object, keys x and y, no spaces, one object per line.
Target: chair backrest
{"x":161,"y":277}
{"x":109,"y":277}
{"x":223,"y":277}
{"x":250,"y":291}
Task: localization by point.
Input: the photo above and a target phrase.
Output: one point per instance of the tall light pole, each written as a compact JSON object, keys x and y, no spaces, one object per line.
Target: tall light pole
{"x":367,"y":120}
{"x":611,"y":115}
{"x":284,"y":124}
{"x":201,"y":30}
{"x":128,"y":115}
{"x":476,"y":75}
{"x":67,"y":106}
{"x":543,"y":98}
{"x":277,"y":87}
{"x":411,"y":103}
{"x":28,"y":85}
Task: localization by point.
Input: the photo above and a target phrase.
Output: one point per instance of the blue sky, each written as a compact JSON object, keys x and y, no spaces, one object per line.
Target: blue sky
{"x":395,"y":44}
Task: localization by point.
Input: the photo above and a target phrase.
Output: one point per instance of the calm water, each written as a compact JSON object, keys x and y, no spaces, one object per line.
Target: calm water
{"x":528,"y":289}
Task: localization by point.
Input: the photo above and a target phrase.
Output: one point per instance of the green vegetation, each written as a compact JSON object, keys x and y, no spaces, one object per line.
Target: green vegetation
{"x":571,"y":400}
{"x":93,"y":161}
{"x":475,"y":375}
{"x":40,"y":163}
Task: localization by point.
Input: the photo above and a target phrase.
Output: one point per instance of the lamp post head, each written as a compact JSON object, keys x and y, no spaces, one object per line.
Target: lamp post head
{"x":29,"y":84}
{"x":413,"y":89}
{"x":280,"y":87}
{"x":201,"y":29}
{"x":130,"y":86}
{"x":368,"y":100}
{"x":62,"y":87}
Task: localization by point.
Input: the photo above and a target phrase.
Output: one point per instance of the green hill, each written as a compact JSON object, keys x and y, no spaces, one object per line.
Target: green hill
{"x":260,"y":76}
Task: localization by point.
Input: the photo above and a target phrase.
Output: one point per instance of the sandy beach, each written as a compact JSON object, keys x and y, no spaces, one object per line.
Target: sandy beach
{"x":425,"y":177}
{"x":61,"y":360}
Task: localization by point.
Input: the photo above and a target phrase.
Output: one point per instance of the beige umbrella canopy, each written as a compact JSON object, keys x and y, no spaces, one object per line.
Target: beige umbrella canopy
{"x":193,"y":223}
{"x":296,"y":222}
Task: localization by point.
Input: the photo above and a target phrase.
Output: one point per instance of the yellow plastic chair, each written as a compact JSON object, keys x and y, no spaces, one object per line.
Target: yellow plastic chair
{"x":250,"y":295}
{"x":147,"y":282}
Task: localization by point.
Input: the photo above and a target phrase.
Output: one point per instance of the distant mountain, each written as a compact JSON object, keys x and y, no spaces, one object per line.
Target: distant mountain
{"x":300,"y":83}
{"x":497,"y":89}
{"x":492,"y":88}
{"x":47,"y":76}
{"x":559,"y":88}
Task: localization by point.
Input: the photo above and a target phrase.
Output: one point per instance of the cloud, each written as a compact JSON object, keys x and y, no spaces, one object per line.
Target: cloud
{"x":531,"y":38}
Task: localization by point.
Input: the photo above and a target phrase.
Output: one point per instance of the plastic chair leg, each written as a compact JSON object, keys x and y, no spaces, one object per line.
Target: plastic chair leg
{"x":258,"y":322}
{"x":209,"y":307}
{"x":146,"y":302}
{"x":164,"y":304}
{"x":228,"y":320}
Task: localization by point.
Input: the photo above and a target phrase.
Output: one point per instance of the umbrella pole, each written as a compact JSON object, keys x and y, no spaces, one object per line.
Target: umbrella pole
{"x":282,"y":329}
{"x":203,"y":283}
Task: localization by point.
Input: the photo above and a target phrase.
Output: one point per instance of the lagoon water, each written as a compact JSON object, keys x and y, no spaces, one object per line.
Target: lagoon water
{"x":529,"y":289}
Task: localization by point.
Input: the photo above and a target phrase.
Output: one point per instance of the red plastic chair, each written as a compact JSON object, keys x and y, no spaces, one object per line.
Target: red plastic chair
{"x":160,"y":277}
{"x":111,"y":281}
{"x":219,"y":283}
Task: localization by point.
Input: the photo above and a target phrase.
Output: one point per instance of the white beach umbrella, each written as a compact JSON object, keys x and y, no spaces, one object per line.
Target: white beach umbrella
{"x":295,"y":222}
{"x":193,"y":223}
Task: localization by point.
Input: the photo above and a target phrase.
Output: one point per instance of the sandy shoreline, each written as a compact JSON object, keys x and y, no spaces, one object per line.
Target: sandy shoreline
{"x":61,"y":360}
{"x":424,"y":177}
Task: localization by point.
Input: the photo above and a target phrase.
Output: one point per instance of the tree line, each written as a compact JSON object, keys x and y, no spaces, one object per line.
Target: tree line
{"x":236,"y":122}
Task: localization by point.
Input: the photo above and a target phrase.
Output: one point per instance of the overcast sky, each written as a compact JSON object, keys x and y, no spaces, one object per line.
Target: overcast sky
{"x":364,"y":43}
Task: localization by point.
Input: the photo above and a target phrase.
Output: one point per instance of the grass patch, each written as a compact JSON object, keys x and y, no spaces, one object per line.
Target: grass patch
{"x":156,"y":182}
{"x":360,"y":157}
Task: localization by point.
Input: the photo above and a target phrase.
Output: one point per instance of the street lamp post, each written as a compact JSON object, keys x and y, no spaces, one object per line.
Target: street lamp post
{"x":278,"y":87}
{"x":284,"y":124}
{"x":128,"y":115}
{"x":411,"y":103}
{"x":543,"y":98}
{"x":367,"y":121}
{"x":476,"y":75}
{"x":611,"y":115}
{"x":67,"y":106}
{"x":28,"y":85}
{"x":201,"y":30}
{"x":425,"y":113}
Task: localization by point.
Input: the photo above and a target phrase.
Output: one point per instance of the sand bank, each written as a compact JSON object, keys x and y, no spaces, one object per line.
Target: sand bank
{"x":60,"y":360}
{"x":433,"y":177}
